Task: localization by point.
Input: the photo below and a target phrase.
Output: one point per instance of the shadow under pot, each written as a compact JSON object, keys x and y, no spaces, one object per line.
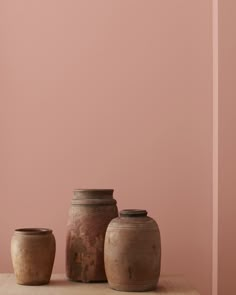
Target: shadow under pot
{"x":33,"y":252}
{"x":133,"y":252}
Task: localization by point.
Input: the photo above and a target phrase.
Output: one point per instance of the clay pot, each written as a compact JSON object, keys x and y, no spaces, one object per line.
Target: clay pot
{"x":90,"y":213}
{"x":33,"y":252}
{"x":133,"y":252}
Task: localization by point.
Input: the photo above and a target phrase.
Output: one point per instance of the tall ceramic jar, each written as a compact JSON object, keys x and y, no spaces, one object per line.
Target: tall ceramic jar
{"x":33,"y":253}
{"x":90,"y":213}
{"x":133,"y":252}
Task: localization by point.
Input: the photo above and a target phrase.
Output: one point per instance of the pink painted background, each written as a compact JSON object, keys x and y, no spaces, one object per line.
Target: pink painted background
{"x":227,"y":147}
{"x":109,"y":94}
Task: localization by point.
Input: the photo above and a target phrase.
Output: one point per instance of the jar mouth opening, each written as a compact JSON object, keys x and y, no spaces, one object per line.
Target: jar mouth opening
{"x":133,"y":213}
{"x":33,"y":231}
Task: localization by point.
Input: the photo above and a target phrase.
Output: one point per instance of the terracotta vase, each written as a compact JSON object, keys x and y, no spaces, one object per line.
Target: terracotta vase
{"x":90,"y":213}
{"x":133,"y":252}
{"x":33,"y":253}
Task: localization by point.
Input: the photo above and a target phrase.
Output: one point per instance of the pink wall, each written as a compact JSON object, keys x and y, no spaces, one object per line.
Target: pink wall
{"x":113,"y":94}
{"x":227,"y":147}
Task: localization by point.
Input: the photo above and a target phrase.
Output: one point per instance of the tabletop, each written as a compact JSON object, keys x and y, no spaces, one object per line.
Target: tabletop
{"x":59,"y":285}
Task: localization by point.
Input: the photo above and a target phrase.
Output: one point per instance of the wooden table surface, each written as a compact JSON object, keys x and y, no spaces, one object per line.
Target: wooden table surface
{"x":59,"y":285}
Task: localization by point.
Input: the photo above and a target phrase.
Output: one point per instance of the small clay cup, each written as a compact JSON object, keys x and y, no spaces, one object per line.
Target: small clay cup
{"x":33,"y":252}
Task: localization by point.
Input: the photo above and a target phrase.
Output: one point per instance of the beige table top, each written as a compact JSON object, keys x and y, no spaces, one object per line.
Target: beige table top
{"x":59,"y":285}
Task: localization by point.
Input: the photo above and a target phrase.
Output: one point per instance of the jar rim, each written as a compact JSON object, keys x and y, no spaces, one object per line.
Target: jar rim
{"x":88,"y":194}
{"x":133,"y":213}
{"x":94,"y":190}
{"x":33,"y":231}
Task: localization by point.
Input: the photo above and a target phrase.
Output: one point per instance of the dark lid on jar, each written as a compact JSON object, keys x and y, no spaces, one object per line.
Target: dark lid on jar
{"x":133,"y":213}
{"x":93,"y":197}
{"x":33,"y":231}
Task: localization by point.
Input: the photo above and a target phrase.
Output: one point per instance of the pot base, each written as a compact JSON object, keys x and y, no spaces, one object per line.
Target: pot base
{"x":133,"y":288}
{"x":33,"y":283}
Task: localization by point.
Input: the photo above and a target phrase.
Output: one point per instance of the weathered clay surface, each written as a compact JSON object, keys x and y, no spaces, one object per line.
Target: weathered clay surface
{"x":33,"y":253}
{"x":89,"y":217}
{"x":133,"y":253}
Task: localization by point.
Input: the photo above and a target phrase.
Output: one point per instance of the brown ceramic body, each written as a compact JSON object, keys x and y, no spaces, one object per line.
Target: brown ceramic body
{"x":89,"y":215}
{"x":133,"y":252}
{"x":33,"y":253}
